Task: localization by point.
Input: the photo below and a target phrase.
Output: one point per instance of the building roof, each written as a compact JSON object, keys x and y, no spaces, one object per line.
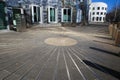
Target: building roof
{"x":98,"y":3}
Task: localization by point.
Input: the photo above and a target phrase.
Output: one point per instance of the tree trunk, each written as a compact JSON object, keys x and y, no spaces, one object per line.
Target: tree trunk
{"x":74,"y":15}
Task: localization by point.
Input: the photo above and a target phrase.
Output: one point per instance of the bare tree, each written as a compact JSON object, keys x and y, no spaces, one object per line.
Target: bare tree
{"x":113,"y":15}
{"x":84,"y":8}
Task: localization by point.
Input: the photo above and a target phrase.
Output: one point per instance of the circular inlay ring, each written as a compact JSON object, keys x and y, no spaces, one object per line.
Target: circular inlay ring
{"x":61,"y":41}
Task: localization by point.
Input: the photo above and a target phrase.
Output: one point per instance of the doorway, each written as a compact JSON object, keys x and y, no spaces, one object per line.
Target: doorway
{"x":66,"y":15}
{"x":52,"y":15}
{"x":37,"y":14}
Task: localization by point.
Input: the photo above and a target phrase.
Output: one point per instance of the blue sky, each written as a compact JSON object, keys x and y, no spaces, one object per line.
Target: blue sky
{"x":111,"y":3}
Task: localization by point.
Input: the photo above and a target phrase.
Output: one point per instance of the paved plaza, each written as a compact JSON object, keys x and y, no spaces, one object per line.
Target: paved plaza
{"x":59,"y":53}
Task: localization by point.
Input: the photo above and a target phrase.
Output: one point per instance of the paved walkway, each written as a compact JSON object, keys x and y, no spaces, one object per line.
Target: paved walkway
{"x":26,"y":56}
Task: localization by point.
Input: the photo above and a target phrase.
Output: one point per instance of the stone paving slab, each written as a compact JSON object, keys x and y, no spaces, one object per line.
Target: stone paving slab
{"x":26,"y":56}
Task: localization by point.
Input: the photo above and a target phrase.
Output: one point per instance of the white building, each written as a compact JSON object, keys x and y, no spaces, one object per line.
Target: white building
{"x":97,"y":12}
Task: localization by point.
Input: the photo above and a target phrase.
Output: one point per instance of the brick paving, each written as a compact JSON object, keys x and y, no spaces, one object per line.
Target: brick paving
{"x":25,"y":56}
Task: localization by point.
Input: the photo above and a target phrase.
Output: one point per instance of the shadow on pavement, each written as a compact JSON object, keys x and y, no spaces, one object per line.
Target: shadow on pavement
{"x":104,"y":69}
{"x":105,"y":51}
{"x":104,"y":42}
{"x":104,"y":37}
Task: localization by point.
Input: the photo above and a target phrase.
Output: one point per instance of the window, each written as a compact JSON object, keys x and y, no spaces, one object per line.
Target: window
{"x":93,"y":13}
{"x":101,"y":13}
{"x":93,"y":8}
{"x":97,"y":13}
{"x":98,"y":8}
{"x":103,"y":18}
{"x":97,"y":18}
{"x":102,"y":8}
{"x":105,"y":13}
{"x":100,"y":18}
{"x":65,"y":12}
{"x":93,"y":18}
{"x":105,"y":8}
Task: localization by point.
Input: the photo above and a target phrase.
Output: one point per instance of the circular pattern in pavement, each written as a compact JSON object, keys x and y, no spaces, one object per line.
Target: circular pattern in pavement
{"x":61,"y":41}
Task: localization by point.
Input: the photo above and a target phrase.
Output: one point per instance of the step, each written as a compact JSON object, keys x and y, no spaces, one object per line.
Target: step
{"x":49,"y":25}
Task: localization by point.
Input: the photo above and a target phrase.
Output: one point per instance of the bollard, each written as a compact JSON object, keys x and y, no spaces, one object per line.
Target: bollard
{"x":117,"y":38}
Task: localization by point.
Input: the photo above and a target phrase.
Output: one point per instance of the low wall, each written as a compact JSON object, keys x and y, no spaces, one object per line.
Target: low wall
{"x":114,"y":31}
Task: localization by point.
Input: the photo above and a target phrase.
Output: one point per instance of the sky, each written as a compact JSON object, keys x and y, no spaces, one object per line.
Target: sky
{"x":110,"y":3}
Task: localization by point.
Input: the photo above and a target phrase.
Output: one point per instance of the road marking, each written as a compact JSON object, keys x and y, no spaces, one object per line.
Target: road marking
{"x":53,"y":52}
{"x":77,"y":67}
{"x":66,"y":67}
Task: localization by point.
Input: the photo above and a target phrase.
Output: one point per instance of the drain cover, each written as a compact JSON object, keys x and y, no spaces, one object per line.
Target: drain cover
{"x":61,"y":41}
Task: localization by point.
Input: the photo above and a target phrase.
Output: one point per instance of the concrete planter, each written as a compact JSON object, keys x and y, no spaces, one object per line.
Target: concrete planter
{"x":111,"y":29}
{"x":114,"y":31}
{"x":21,"y":26}
{"x":19,"y":19}
{"x":118,"y":25}
{"x":73,"y":25}
{"x":117,"y":38}
{"x":66,"y":24}
{"x":69,"y":24}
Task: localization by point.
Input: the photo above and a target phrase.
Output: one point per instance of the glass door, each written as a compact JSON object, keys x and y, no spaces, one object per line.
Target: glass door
{"x":69,"y":15}
{"x":39,"y":14}
{"x":35,"y":14}
{"x":66,"y":15}
{"x":52,"y":15}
